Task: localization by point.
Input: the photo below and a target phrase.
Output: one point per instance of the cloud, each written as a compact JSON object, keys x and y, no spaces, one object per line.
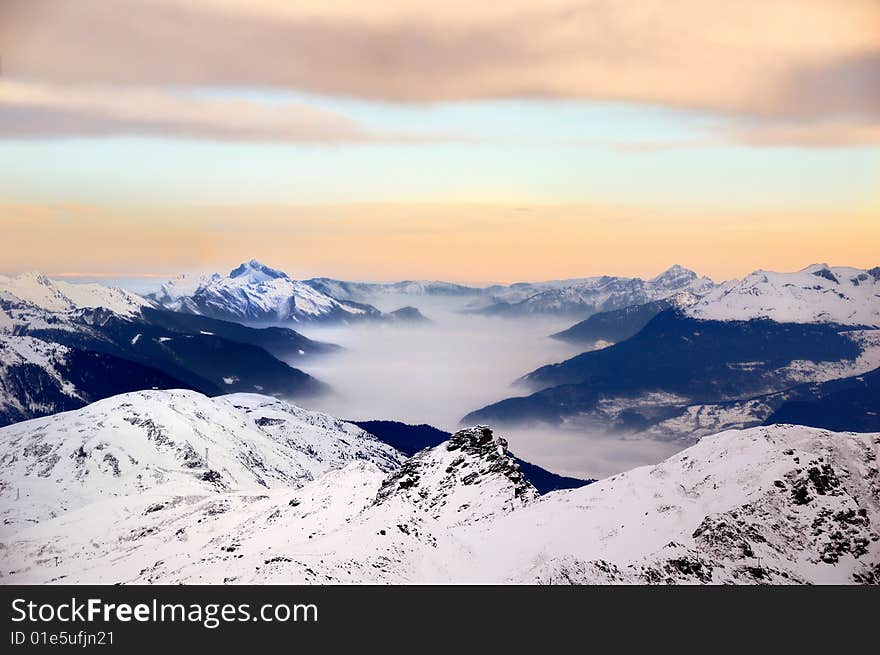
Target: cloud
{"x":823,"y":134}
{"x":34,"y":109}
{"x":758,"y":57}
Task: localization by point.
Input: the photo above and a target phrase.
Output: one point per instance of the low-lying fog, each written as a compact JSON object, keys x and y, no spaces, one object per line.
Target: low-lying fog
{"x":437,"y":372}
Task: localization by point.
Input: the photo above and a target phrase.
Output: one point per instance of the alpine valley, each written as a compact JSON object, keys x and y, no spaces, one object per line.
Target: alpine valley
{"x":176,"y":437}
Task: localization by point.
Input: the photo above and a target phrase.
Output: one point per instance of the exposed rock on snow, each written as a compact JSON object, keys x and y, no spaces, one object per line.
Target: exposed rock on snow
{"x":468,"y":478}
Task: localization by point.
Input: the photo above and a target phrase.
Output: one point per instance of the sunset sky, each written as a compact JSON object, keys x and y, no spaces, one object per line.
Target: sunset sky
{"x":457,"y":140}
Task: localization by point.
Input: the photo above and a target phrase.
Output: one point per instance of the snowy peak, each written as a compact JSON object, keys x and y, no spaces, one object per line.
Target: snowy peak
{"x":177,"y":440}
{"x":466,"y":479}
{"x":675,"y":276}
{"x":255,"y":272}
{"x":59,"y":296}
{"x":816,"y":294}
{"x":256,"y":292}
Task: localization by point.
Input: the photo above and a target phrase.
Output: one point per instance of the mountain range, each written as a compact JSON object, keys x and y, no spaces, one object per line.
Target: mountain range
{"x":174,"y":487}
{"x":150,"y":440}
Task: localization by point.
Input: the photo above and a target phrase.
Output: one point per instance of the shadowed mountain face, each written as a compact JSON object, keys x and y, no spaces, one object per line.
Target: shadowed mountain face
{"x":701,"y":358}
{"x":410,"y":439}
{"x":616,"y":325}
{"x":681,"y":361}
{"x":850,"y":404}
{"x":38,"y":378}
{"x":280,"y":342}
{"x":204,"y":361}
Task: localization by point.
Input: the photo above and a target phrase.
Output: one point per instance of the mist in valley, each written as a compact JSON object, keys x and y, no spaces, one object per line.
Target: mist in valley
{"x":437,"y":372}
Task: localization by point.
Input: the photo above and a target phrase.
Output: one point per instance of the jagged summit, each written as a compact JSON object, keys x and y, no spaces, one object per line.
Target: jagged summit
{"x":256,"y":271}
{"x":468,"y":478}
{"x":256,"y":292}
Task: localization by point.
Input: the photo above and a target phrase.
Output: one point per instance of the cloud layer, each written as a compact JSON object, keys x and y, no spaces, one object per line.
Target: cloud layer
{"x":776,"y":57}
{"x":33,"y":109}
{"x":787,"y":63}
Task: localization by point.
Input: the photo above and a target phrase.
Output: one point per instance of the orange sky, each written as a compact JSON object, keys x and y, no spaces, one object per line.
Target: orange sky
{"x":459,"y":242}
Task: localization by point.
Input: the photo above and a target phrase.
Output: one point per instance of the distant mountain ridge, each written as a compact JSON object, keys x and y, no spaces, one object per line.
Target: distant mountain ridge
{"x":587,"y":296}
{"x":364,"y":291}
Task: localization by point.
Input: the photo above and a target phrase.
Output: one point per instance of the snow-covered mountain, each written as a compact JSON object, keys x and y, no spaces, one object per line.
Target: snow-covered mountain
{"x":293,"y":497}
{"x":586,"y":296}
{"x":256,"y":292}
{"x":60,"y":296}
{"x":816,"y":294}
{"x":183,"y":441}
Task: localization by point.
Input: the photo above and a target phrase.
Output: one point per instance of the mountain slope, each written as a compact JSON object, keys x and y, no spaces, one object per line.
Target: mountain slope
{"x":615,"y":325}
{"x":204,"y":361}
{"x":729,"y":358}
{"x":776,"y":505}
{"x":851,"y":404}
{"x":39,"y":378}
{"x":136,"y":442}
{"x":280,"y":342}
{"x":254,"y":292}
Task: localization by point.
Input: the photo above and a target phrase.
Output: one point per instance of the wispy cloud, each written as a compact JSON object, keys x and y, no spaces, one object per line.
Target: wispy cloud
{"x":30,"y":109}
